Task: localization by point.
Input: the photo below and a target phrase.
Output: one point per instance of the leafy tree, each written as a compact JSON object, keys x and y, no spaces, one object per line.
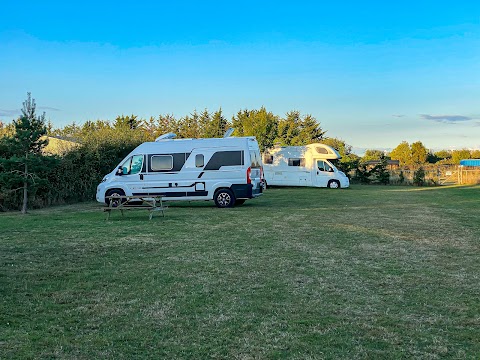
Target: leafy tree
{"x":349,"y":160}
{"x":259,"y":123}
{"x":6,"y":130}
{"x":443,"y":154}
{"x":458,"y":155}
{"x":475,"y":154}
{"x":403,"y":153}
{"x":372,"y":155}
{"x":419,"y":153}
{"x":22,"y":165}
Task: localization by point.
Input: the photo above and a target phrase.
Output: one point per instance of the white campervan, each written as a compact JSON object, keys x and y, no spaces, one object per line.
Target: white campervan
{"x":226,"y":170}
{"x":309,"y":165}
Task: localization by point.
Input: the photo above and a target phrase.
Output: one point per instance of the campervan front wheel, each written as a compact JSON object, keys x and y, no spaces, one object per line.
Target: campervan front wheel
{"x":333,"y":184}
{"x":114,"y":192}
{"x":224,"y":198}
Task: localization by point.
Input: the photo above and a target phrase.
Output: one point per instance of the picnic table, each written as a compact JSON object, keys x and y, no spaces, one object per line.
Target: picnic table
{"x":150,"y":203}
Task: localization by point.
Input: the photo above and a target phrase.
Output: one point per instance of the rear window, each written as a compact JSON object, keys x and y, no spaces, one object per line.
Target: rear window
{"x":267,"y":158}
{"x":255,"y":159}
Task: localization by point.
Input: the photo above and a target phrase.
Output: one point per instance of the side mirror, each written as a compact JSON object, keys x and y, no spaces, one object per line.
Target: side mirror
{"x":119,"y":171}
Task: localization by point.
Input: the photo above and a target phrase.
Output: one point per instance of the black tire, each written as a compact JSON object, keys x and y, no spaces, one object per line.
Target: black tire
{"x":239,"y":202}
{"x":114,"y":192}
{"x":224,"y":198}
{"x":333,"y":184}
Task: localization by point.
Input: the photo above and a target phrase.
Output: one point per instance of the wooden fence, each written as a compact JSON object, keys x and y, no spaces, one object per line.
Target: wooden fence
{"x":439,"y":175}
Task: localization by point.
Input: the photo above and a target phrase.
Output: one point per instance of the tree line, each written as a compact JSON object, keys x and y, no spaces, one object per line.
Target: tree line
{"x":27,"y":174}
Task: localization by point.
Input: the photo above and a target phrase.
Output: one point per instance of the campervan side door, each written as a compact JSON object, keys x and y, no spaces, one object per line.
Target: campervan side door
{"x":322,"y":173}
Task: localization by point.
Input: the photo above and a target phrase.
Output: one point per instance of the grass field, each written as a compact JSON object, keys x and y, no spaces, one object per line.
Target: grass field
{"x":365,"y":272}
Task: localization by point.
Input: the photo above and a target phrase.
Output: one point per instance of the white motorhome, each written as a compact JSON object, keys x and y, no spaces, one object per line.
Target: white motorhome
{"x":226,"y":170}
{"x":309,"y":165}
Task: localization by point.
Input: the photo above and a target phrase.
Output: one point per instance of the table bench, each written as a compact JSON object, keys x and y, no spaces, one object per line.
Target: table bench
{"x":152,"y":204}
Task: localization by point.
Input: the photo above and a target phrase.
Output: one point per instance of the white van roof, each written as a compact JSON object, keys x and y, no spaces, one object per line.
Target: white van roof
{"x":187,"y":145}
{"x":314,"y":150}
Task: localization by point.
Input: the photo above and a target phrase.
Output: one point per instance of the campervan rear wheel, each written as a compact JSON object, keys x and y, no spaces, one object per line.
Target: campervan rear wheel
{"x":333,"y":184}
{"x":224,"y":198}
{"x":114,"y":192}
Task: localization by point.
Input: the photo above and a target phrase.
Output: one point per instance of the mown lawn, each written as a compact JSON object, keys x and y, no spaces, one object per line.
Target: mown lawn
{"x":365,"y":272}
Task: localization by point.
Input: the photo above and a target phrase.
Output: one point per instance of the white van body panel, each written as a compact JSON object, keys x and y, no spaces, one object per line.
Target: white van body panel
{"x":309,"y":165}
{"x":188,"y":169}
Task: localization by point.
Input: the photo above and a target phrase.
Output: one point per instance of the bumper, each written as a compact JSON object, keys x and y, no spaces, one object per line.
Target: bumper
{"x":246,"y":191}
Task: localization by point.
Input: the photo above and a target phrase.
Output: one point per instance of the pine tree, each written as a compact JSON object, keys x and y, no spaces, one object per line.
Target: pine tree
{"x":217,"y":126}
{"x":382,"y":175}
{"x":21,"y":161}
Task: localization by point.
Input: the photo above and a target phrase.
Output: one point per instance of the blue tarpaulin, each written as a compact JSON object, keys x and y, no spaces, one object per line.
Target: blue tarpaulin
{"x":470,"y":162}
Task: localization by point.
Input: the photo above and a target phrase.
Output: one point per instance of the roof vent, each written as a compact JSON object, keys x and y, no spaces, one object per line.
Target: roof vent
{"x":166,"y":137}
{"x":229,"y":132}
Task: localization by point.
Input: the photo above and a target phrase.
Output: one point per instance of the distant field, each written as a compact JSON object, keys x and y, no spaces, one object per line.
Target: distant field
{"x":364,"y":272}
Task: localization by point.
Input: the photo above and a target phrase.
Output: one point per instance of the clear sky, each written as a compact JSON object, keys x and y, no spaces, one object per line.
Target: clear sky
{"x":373,"y":73}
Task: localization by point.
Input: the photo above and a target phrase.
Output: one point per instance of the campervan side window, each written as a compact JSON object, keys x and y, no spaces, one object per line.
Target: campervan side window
{"x":161,"y":162}
{"x":267,"y":158}
{"x":137,"y":162}
{"x":199,"y":160}
{"x":132,"y":165}
{"x":296,"y":162}
{"x":224,"y":158}
{"x":323,"y":166}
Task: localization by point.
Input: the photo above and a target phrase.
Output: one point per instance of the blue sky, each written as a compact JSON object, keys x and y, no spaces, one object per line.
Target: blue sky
{"x":374,"y":73}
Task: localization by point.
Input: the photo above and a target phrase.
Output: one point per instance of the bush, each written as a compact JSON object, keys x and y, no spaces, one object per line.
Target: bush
{"x":419,"y":177}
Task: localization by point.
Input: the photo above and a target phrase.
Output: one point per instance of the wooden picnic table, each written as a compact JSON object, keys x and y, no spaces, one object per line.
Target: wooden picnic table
{"x":150,"y":203}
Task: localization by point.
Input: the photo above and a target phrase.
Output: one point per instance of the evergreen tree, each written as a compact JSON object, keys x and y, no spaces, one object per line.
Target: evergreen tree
{"x":127,"y":122}
{"x":204,"y":122}
{"x":298,"y":130}
{"x":217,"y":126}
{"x":419,"y":177}
{"x":382,"y":175}
{"x":189,"y":126}
{"x":22,"y":164}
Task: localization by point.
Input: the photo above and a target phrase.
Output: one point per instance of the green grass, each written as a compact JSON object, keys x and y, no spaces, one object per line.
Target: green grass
{"x":365,"y":272}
